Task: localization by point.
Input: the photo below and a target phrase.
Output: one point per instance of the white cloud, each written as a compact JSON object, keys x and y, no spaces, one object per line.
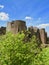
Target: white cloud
{"x":1,"y":6}
{"x":4,"y":16}
{"x":43,"y":25}
{"x":28,"y":18}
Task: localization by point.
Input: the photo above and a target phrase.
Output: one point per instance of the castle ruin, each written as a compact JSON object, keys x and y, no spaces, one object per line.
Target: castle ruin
{"x":19,"y":25}
{"x":16,"y":26}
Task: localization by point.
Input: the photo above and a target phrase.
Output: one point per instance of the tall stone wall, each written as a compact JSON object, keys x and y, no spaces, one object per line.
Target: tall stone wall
{"x":43,"y":36}
{"x":35,"y":31}
{"x":19,"y":25}
{"x":40,"y":34}
{"x":16,"y":26}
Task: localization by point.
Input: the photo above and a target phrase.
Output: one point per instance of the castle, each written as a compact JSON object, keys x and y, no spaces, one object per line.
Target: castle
{"x":19,"y":25}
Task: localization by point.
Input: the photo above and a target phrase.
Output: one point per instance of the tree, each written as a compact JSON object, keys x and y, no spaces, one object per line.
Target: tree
{"x":44,"y":56}
{"x":14,"y":51}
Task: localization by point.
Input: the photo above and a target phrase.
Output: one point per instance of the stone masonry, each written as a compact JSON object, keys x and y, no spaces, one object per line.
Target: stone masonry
{"x":43,"y":36}
{"x":19,"y":25}
{"x":16,"y":26}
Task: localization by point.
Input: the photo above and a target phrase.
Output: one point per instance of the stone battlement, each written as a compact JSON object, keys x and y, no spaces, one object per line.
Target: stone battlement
{"x":19,"y":25}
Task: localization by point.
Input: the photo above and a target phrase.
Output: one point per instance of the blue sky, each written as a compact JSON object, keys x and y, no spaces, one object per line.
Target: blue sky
{"x":34,"y":12}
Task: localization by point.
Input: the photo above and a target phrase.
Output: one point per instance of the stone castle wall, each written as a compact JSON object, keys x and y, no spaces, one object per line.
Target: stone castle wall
{"x":19,"y":25}
{"x":2,"y":30}
{"x":40,"y":34}
{"x":43,"y":36}
{"x":16,"y":26}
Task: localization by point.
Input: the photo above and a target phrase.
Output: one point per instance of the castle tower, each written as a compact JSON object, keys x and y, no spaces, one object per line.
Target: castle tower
{"x":43,"y":36}
{"x":16,"y":26}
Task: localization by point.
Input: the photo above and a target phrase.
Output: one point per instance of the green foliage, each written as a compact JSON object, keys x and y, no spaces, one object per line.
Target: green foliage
{"x":43,"y":57}
{"x":14,"y":51}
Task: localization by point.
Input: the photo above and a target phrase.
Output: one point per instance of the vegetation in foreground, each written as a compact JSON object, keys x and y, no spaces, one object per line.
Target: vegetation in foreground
{"x":15,"y":51}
